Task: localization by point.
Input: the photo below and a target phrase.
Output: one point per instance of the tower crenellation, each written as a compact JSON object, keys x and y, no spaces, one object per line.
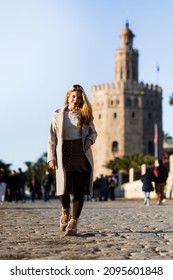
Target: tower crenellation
{"x":103,"y":86}
{"x":141,"y":86}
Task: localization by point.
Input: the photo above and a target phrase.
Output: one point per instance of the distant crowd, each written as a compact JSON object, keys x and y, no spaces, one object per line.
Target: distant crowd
{"x":16,"y":187}
{"x":104,"y":187}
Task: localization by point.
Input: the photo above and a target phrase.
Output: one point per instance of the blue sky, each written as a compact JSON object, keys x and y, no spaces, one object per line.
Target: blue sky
{"x":48,"y":45}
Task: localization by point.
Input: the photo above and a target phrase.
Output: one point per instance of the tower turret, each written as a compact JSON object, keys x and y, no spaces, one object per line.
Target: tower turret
{"x":127,"y":38}
{"x":126,"y":58}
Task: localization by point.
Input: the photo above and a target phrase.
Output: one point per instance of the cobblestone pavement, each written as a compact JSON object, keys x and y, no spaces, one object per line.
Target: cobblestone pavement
{"x":111,"y":230}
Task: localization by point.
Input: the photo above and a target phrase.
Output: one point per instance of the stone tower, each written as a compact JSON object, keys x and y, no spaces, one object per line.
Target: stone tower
{"x":126,"y":111}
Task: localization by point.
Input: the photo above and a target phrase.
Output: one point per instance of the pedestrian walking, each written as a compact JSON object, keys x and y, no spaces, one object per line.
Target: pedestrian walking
{"x":147,"y":186}
{"x":72,"y":133}
{"x":161,"y":175}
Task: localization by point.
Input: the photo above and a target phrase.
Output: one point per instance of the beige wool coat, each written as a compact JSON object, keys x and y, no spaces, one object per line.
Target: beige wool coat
{"x":55,"y":143}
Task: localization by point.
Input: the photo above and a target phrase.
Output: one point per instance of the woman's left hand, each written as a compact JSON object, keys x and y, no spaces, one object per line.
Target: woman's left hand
{"x":88,"y":144}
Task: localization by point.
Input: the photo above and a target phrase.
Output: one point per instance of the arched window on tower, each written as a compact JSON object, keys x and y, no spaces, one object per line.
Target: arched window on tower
{"x":114,"y":146}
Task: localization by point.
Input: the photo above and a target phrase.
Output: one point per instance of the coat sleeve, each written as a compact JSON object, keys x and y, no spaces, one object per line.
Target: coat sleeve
{"x":53,"y":140}
{"x":92,"y":135}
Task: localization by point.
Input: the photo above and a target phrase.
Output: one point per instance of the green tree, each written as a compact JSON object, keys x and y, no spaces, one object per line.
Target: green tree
{"x":168,"y":140}
{"x":37,"y":169}
{"x":129,"y":161}
{"x":167,"y":137}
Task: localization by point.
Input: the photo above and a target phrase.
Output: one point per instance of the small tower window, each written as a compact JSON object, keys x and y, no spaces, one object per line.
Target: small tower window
{"x":128,"y":102}
{"x":134,"y":74}
{"x":114,"y":146}
{"x":133,"y":115}
{"x":115,"y":115}
{"x":149,"y":116}
{"x":121,"y":74}
{"x":150,"y":148}
{"x":136,"y":102}
{"x":100,"y":116}
{"x":128,"y":73}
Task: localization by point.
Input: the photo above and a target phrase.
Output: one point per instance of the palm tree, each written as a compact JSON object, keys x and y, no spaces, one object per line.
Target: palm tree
{"x":167,"y":137}
{"x":129,"y":161}
{"x":5,"y":165}
{"x":171,"y":99}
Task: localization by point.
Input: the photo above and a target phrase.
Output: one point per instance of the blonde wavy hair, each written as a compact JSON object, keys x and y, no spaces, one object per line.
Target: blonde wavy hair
{"x":85,"y":109}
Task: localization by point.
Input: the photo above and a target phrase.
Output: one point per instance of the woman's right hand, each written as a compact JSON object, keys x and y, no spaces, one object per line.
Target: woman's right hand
{"x":52,"y":164}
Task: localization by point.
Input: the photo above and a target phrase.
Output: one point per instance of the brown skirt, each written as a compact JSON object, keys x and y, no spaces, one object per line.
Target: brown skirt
{"x":74,"y":158}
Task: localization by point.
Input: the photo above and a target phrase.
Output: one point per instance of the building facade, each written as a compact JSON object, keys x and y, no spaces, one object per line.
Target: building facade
{"x":126,"y":111}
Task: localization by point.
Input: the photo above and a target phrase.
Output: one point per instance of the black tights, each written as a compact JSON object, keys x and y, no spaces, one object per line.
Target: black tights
{"x":75,"y":181}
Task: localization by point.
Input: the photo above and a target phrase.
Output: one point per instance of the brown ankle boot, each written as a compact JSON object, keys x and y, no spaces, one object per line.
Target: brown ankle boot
{"x":64,"y":219}
{"x":71,"y":228}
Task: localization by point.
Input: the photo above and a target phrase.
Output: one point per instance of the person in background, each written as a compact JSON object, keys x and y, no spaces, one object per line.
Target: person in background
{"x":3,"y":183}
{"x":47,"y":182}
{"x":112,"y":184}
{"x":13,"y":186}
{"x":96,"y":191}
{"x":103,"y":187}
{"x":161,"y":176}
{"x":72,"y":133}
{"x":147,"y":186}
{"x":22,"y":182}
{"x":34,"y":187}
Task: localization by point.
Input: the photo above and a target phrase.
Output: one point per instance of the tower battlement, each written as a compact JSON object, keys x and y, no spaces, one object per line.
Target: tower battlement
{"x":107,"y":86}
{"x":104,"y":86}
{"x":135,"y":85}
{"x":152,"y":87}
{"x":141,"y":86}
